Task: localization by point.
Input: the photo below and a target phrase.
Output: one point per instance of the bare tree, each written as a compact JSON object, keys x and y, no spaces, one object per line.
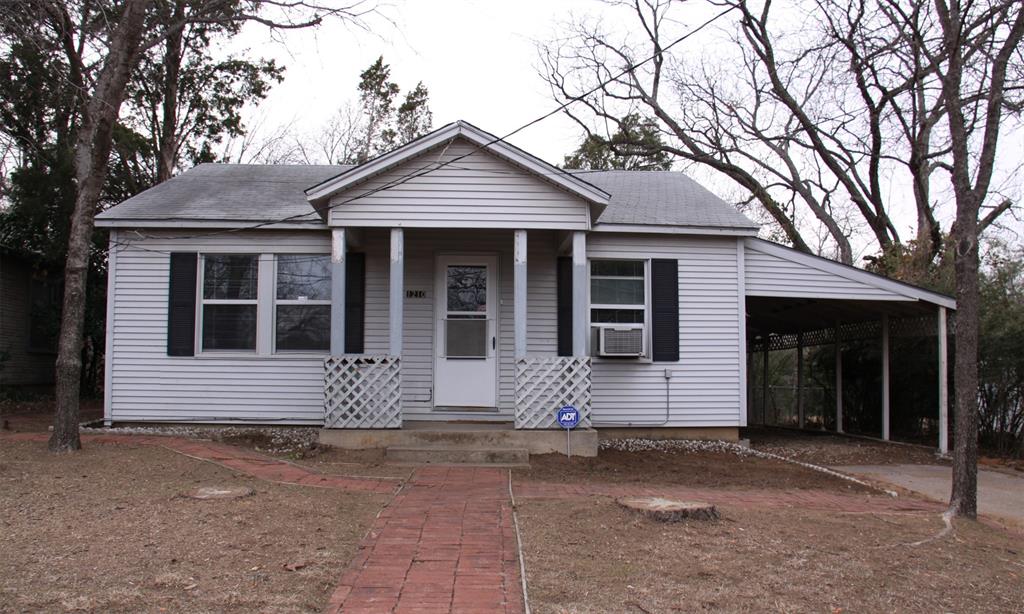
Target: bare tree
{"x":821,"y":107}
{"x":102,"y":43}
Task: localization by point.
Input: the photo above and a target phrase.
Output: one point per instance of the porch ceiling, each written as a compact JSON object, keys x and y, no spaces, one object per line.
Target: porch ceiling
{"x":782,"y":315}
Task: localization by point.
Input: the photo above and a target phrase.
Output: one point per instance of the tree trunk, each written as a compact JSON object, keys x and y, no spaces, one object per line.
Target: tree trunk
{"x":964,"y":498}
{"x":167,"y":155}
{"x":91,"y":157}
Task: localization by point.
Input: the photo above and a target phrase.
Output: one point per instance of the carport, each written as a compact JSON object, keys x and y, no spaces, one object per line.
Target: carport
{"x":821,"y":335}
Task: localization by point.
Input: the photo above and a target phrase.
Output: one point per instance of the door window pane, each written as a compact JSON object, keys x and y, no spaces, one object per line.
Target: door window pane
{"x":229,"y":327}
{"x":230,"y":277}
{"x":467,"y":288}
{"x":466,"y":338}
{"x":304,"y":277}
{"x":303,"y":327}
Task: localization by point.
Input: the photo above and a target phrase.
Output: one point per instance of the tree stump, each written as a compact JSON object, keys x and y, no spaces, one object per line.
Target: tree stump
{"x":220,"y":492}
{"x":669,"y":510}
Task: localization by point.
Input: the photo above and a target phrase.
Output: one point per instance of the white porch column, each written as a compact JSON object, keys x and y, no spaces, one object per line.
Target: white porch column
{"x":519,"y":293}
{"x":338,"y":249}
{"x":396,"y":291}
{"x":885,"y":377}
{"x":839,"y":381}
{"x":943,"y":385}
{"x":580,"y":317}
{"x":800,"y":379}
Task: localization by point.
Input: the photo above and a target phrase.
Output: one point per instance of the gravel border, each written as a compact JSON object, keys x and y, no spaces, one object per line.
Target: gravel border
{"x":274,"y":439}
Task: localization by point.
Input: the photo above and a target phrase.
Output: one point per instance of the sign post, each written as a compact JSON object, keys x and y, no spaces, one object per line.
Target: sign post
{"x":568,"y":418}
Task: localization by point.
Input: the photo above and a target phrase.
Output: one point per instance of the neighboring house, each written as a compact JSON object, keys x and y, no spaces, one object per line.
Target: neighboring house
{"x":457,"y":278}
{"x":29,"y":300}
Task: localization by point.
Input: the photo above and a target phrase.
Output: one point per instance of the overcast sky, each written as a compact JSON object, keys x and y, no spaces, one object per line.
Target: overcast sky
{"x":477,"y":58}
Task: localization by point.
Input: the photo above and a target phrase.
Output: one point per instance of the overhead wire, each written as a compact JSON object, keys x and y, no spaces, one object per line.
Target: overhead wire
{"x":436,"y":166}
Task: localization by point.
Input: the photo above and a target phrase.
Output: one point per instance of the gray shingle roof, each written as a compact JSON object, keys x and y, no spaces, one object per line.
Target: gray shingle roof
{"x":260,"y":193}
{"x":233,"y":192}
{"x":663,"y":198}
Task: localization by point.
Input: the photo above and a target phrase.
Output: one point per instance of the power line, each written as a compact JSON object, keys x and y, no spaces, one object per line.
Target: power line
{"x":427,"y":169}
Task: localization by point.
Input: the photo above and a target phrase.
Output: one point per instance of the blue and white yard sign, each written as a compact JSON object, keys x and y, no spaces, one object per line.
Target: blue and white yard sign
{"x":568,"y":417}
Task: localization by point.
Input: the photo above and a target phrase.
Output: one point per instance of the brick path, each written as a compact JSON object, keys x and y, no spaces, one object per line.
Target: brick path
{"x":446,"y":543}
{"x":238,"y":459}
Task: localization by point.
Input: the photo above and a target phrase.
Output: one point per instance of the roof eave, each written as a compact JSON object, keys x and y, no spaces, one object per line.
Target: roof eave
{"x":909,"y":291}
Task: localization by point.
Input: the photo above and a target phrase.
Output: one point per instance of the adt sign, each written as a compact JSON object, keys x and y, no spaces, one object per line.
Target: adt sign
{"x":568,"y":417}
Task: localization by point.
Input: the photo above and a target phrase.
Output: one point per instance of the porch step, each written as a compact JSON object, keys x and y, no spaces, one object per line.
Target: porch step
{"x":458,"y":456}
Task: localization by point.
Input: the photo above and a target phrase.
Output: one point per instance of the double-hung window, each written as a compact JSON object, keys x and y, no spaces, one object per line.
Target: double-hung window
{"x":302,"y":308}
{"x":229,"y":301}
{"x":618,"y":292}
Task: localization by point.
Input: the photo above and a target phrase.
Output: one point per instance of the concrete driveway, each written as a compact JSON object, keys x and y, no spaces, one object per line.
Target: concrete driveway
{"x":1000,"y":495}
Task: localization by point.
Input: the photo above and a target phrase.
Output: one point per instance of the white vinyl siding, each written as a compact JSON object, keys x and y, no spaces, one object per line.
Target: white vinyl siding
{"x":421,"y":250}
{"x":148,"y":385}
{"x":478,"y":191}
{"x":770,"y":275}
{"x":705,"y":386}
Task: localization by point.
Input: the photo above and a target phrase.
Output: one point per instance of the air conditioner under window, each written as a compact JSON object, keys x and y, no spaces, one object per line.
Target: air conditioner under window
{"x":621,"y":340}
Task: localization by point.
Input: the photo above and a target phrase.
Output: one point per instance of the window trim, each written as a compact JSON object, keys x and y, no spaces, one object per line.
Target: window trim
{"x":646,"y":308}
{"x":202,"y":301}
{"x":276,"y":301}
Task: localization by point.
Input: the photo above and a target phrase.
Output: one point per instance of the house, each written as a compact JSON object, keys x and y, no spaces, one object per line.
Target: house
{"x":456,"y":279}
{"x":29,"y":320}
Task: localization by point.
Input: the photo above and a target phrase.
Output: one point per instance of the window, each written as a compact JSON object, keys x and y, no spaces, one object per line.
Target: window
{"x":229,"y":301}
{"x":302,"y":319}
{"x":466,"y":314}
{"x":618,"y":292}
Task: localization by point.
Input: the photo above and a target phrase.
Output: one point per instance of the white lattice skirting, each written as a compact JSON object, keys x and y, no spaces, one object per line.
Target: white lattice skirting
{"x":362,"y":392}
{"x":546,"y":384}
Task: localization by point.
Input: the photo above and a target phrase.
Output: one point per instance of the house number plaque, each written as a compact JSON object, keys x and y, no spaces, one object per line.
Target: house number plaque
{"x":415,"y":294}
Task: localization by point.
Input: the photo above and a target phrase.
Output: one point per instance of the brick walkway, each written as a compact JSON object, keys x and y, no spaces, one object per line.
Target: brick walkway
{"x":446,"y":544}
{"x":237,"y":459}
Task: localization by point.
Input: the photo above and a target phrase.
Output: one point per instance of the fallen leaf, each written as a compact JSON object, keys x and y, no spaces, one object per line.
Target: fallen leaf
{"x":294,"y":566}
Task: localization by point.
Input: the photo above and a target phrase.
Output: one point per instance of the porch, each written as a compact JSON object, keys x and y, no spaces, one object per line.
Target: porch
{"x":463,"y":325}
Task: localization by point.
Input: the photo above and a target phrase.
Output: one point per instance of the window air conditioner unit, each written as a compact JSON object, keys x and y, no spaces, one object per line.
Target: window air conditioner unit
{"x":621,"y":340}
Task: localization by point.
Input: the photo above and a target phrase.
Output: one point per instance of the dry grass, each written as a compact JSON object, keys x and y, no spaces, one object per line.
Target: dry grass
{"x":763,"y":560}
{"x":106,"y":530}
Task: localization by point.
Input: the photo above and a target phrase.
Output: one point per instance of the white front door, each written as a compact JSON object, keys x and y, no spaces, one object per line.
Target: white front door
{"x":465,"y":341}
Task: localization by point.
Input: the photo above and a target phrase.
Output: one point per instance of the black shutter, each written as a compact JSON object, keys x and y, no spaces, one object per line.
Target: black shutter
{"x":355,"y":301}
{"x":665,"y":310}
{"x":181,"y":305}
{"x":564,"y":299}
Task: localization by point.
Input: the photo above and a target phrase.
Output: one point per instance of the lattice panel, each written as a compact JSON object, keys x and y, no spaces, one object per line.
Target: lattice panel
{"x":546,"y":384}
{"x":362,"y":392}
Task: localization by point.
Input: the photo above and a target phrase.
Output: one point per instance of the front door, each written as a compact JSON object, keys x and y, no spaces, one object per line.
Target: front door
{"x":465,"y":341}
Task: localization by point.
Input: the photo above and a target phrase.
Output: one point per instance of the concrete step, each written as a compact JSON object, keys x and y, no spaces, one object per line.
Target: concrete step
{"x":458,"y":456}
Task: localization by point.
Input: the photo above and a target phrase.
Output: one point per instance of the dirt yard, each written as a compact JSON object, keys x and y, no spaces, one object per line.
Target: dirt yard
{"x":107,"y":530}
{"x":599,"y":557}
{"x":696,"y":469}
{"x":827,"y":449}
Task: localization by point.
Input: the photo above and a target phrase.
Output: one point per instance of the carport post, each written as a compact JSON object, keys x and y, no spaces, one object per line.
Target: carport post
{"x":764,"y":382}
{"x":943,"y":385}
{"x":885,"y":377}
{"x":800,"y":378}
{"x":839,"y":380}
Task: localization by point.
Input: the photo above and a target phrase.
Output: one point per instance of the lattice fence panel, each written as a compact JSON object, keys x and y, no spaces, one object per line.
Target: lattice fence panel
{"x":362,"y":392}
{"x":546,"y":384}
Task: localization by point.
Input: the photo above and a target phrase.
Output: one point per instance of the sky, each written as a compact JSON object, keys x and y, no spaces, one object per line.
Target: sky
{"x":479,"y":61}
{"x":477,"y":58}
